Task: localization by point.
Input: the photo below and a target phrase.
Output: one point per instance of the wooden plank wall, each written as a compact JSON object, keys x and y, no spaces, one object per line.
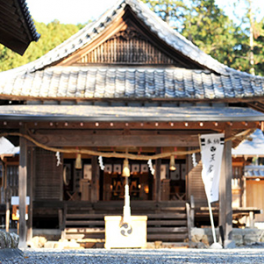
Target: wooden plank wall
{"x":126,"y":47}
{"x":255,"y":197}
{"x":48,"y":181}
{"x":195,"y":182}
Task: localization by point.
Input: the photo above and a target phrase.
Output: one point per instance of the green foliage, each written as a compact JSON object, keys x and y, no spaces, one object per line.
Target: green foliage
{"x":212,"y":31}
{"x":259,"y":48}
{"x":171,"y":11}
{"x":52,"y":35}
{"x":207,"y":26}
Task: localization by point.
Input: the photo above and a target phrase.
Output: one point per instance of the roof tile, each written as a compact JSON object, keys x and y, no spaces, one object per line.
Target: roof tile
{"x":92,"y":82}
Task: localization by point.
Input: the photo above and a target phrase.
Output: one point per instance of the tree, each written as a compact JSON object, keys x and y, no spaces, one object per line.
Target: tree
{"x":212,"y":31}
{"x":254,"y":31}
{"x":171,"y":11}
{"x":207,"y":26}
{"x":52,"y":35}
{"x":258,"y":50}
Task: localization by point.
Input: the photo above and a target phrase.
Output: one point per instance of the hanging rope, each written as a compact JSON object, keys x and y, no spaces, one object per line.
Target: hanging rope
{"x":241,"y":136}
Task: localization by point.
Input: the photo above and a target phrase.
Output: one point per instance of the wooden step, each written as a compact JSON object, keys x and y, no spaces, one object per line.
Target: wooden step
{"x":166,"y":216}
{"x":84,"y":236}
{"x":85,"y":216}
{"x":166,"y":237}
{"x":167,"y":230}
{"x":85,"y":230}
{"x":173,"y":209}
{"x":167,"y":223}
{"x":85,"y":223}
{"x":150,"y":216}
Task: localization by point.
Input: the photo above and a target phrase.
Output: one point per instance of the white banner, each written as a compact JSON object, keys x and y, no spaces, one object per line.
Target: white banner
{"x":212,"y":146}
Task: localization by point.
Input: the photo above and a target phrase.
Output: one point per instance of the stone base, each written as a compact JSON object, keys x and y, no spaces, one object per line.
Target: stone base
{"x":229,"y":244}
{"x":8,"y":240}
{"x":216,"y":246}
{"x":240,"y":237}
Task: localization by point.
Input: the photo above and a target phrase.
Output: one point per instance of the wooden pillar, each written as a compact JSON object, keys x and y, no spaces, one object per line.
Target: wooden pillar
{"x":225,"y":194}
{"x":157,"y":180}
{"x":31,"y":173}
{"x":22,"y":190}
{"x":189,"y":166}
{"x":7,"y":196}
{"x":94,"y":183}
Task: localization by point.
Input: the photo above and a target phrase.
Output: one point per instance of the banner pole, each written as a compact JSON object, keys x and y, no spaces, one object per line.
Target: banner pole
{"x":212,"y":221}
{"x":209,"y":169}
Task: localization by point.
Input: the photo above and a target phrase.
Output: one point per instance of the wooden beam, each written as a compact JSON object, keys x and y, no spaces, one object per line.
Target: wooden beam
{"x":22,"y":190}
{"x":86,"y":139}
{"x":225,"y":193}
{"x":174,"y":126}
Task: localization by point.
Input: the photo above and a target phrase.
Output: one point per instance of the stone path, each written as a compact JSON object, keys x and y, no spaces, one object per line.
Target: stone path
{"x":240,"y":255}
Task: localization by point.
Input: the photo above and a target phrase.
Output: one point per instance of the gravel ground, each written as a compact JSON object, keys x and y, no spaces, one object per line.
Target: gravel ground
{"x":240,"y":255}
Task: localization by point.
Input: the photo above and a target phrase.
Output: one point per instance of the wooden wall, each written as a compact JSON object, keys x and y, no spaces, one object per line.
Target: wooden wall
{"x":255,"y":196}
{"x":195,"y":183}
{"x":48,"y":181}
{"x":126,"y":47}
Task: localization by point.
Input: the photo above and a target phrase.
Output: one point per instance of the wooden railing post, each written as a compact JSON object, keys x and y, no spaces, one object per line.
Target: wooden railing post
{"x":64,"y":220}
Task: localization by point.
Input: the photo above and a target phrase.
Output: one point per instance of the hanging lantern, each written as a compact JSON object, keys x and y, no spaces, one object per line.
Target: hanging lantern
{"x":78,"y":162}
{"x":126,"y":170}
{"x":172,"y":163}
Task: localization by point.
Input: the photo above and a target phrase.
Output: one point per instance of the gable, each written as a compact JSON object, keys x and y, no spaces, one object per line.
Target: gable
{"x":135,"y":14}
{"x":128,"y":41}
{"x":126,"y":47}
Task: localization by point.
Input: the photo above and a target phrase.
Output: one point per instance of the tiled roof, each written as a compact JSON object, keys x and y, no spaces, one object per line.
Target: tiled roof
{"x":254,"y":171}
{"x":97,"y":113}
{"x":93,"y":82}
{"x":151,"y":20}
{"x":39,"y":79}
{"x":252,"y":147}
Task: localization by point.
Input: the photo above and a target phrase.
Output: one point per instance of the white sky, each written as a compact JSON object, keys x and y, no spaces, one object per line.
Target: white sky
{"x":81,"y":11}
{"x":68,"y":11}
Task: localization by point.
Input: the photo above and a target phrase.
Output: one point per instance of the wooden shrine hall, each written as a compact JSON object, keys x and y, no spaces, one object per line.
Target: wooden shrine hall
{"x":126,"y":85}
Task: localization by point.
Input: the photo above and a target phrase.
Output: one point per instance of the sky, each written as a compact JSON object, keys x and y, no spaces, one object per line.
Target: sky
{"x":81,"y":11}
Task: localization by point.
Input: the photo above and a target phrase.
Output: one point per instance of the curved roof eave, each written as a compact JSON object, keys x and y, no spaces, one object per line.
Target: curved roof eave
{"x":29,"y":21}
{"x":17,"y":29}
{"x":91,"y":83}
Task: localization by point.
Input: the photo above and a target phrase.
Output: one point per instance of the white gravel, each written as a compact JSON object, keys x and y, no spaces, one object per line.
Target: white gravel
{"x":117,"y":256}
